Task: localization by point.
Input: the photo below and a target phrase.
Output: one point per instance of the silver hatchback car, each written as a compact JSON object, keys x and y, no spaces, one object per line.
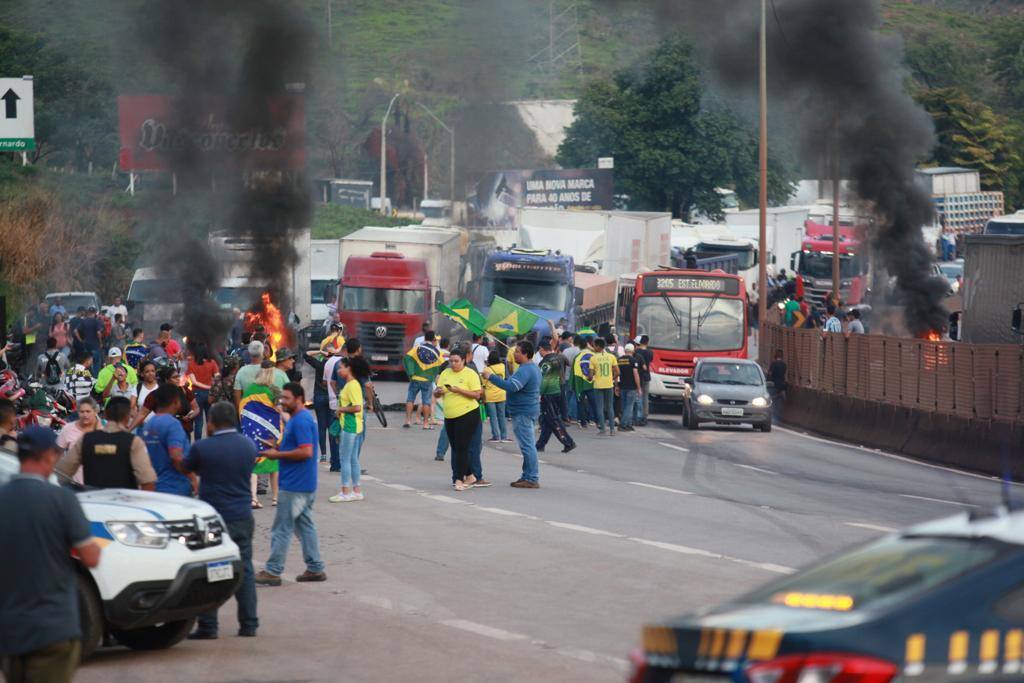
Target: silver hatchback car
{"x":727,"y":391}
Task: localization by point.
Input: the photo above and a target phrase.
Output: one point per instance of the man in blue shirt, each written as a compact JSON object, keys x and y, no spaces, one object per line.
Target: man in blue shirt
{"x":224,"y":463}
{"x":833,"y":324}
{"x":298,"y":455}
{"x":523,"y":404}
{"x":166,"y":442}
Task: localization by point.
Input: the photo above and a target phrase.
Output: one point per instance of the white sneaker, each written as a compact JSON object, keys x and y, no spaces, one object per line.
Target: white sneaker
{"x":356,"y":496}
{"x":340,"y":498}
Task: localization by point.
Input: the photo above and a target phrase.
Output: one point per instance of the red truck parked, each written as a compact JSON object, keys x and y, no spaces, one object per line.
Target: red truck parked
{"x":814,"y":263}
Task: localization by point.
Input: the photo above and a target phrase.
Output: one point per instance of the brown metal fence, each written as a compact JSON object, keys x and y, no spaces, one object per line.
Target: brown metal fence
{"x":982,"y":381}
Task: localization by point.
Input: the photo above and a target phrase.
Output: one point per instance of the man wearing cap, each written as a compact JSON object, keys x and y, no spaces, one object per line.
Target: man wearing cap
{"x":115,"y":359}
{"x":246,"y":374}
{"x":285,"y":362}
{"x":40,"y":632}
{"x":89,"y":333}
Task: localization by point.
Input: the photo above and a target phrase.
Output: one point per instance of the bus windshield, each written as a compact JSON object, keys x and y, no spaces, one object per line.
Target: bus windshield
{"x":683,"y":323}
{"x":531,"y":294}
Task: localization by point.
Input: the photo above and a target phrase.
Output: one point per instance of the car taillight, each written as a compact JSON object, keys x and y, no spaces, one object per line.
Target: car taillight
{"x":638,"y":666}
{"x":822,"y":668}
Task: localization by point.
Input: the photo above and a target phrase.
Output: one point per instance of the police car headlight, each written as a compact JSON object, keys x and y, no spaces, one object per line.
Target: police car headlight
{"x":705,"y":400}
{"x":759,"y":402}
{"x":140,"y":534}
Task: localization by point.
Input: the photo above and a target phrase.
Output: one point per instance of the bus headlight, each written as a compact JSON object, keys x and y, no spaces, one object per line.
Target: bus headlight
{"x":705,"y":400}
{"x":759,"y":402}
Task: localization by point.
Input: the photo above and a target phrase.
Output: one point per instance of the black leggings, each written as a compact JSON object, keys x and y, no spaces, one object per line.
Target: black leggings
{"x":461,"y":431}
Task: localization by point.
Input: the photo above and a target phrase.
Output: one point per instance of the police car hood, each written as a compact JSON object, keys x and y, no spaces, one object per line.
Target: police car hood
{"x":125,"y":505}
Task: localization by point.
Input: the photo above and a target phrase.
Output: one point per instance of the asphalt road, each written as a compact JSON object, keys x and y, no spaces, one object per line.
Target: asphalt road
{"x":502,"y":584}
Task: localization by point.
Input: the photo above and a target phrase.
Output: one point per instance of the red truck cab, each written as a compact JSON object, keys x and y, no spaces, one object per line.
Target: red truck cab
{"x":383,"y":300}
{"x":814,"y":263}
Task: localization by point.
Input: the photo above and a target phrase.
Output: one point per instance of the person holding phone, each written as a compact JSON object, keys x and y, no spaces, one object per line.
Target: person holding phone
{"x":460,"y":390}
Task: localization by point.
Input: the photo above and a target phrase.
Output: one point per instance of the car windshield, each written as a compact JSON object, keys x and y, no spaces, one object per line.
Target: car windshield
{"x":369,"y":299}
{"x":729,"y":373}
{"x":157,"y":291}
{"x":952,"y":270}
{"x":882,"y":573}
{"x":72,"y":302}
{"x":682,"y":323}
{"x":818,"y":265}
{"x":532,"y":294}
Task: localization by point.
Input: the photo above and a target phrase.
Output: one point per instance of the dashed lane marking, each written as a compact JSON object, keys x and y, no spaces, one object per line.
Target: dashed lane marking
{"x":504,"y":512}
{"x":662,"y":488}
{"x":756,"y":469}
{"x":483,"y":630}
{"x":687,"y":550}
{"x":585,"y":529}
{"x":674,"y":447}
{"x":870,"y":527}
{"x":937,"y":500}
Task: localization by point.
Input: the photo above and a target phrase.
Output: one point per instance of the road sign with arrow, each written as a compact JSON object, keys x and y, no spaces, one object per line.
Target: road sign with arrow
{"x":17,"y":124}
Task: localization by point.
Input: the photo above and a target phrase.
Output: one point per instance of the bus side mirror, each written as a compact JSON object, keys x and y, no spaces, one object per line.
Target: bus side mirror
{"x":1015,"y":323}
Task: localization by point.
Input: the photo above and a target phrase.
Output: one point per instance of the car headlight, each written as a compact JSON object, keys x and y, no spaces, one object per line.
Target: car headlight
{"x":140,"y":534}
{"x":705,"y":400}
{"x":759,"y":402}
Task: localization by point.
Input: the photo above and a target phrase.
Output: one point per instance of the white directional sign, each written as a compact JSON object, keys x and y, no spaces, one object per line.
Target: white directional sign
{"x":17,"y":122}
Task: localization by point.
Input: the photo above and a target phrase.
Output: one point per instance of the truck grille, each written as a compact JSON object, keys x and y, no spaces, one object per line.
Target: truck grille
{"x":195,"y":533}
{"x":392,"y":343}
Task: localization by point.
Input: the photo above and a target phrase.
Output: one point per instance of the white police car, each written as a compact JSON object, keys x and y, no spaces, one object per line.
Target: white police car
{"x":166,"y":559}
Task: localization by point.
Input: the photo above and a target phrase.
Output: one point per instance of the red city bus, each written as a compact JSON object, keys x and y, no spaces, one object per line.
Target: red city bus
{"x":688,"y":314}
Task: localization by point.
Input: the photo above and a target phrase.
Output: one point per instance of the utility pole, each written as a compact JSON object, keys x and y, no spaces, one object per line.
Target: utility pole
{"x":384,"y":156}
{"x":451,"y":160}
{"x":836,"y":281}
{"x":330,"y":23}
{"x":762,"y":250}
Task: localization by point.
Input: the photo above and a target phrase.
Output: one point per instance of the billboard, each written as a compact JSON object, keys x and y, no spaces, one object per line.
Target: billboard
{"x":500,"y":194}
{"x":153,"y":131}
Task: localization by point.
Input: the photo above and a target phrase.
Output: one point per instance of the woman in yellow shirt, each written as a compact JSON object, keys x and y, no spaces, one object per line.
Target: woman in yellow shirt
{"x":350,"y":414}
{"x":495,"y":401}
{"x":460,"y":389}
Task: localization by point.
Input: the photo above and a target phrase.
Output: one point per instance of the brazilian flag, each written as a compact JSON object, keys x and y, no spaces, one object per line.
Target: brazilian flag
{"x":423,"y":362}
{"x":465,"y":314}
{"x":506,"y":318}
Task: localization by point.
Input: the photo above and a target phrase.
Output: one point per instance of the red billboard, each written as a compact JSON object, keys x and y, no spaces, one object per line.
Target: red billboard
{"x":154,"y":130}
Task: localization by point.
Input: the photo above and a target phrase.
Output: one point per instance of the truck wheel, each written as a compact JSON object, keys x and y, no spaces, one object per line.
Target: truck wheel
{"x":90,"y":613}
{"x":155,"y":637}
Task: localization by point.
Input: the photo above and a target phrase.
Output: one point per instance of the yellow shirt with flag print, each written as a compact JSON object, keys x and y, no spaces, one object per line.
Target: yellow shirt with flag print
{"x":351,"y":395}
{"x":457,"y":405}
{"x":510,"y":358}
{"x":603,"y":364}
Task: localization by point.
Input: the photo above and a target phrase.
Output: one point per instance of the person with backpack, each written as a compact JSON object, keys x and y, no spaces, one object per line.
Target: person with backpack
{"x":51,"y":365}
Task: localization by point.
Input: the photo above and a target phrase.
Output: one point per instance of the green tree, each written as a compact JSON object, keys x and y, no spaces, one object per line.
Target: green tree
{"x":1008,"y":62}
{"x":973,"y":136}
{"x":671,"y":147}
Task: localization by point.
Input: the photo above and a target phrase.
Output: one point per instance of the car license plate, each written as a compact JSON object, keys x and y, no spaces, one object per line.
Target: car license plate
{"x":732,"y":412}
{"x":379,"y":356}
{"x":219,"y":571}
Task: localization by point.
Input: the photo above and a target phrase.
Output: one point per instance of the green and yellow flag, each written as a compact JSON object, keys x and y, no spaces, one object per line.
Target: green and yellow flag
{"x":506,"y":318}
{"x":423,"y":362}
{"x":463,"y":312}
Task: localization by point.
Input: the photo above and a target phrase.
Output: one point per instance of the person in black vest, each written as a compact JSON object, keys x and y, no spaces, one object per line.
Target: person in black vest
{"x":113,"y":458}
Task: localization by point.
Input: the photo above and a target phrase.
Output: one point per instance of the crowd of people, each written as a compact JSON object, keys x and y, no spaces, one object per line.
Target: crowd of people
{"x":541,"y":387}
{"x":798,"y":311}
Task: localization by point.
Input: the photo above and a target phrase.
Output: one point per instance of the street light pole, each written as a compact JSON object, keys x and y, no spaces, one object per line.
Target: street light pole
{"x":384,"y":156}
{"x":451,"y":132}
{"x":762,"y":250}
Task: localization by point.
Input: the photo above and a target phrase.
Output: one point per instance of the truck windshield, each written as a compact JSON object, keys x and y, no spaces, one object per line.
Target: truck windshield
{"x":159,"y":291}
{"x":704,"y":323}
{"x":532,"y":294}
{"x":369,"y":299}
{"x":818,"y":265}
{"x":241,"y":298}
{"x":998,"y":227}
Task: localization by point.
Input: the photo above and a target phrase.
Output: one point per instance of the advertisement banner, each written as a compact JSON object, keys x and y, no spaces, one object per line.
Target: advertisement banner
{"x":153,"y":132}
{"x":500,"y":194}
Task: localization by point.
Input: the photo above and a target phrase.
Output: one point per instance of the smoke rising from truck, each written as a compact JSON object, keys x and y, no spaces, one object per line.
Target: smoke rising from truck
{"x":226,"y":64}
{"x":843,"y":82}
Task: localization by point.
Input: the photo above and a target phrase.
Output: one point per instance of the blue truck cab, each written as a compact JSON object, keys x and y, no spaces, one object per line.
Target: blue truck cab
{"x":538,"y":280}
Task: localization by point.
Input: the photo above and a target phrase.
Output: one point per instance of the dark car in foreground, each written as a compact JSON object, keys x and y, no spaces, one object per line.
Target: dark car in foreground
{"x":939,"y":602}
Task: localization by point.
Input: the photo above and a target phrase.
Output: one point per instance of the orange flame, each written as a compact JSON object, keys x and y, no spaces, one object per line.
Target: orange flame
{"x":269,"y":316}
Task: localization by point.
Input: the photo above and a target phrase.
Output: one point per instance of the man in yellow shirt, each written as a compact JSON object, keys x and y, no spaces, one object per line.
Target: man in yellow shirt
{"x":350,"y":413}
{"x":604,"y":369}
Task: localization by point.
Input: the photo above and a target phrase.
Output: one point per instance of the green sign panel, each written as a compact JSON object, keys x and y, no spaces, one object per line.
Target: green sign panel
{"x":17,"y":144}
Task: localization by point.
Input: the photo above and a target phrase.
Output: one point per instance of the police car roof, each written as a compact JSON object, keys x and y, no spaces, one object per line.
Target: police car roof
{"x":998,"y":524}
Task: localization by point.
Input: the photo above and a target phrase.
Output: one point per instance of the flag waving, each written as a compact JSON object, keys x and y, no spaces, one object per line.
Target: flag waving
{"x":423,"y":362}
{"x":465,"y":314}
{"x":506,"y":318}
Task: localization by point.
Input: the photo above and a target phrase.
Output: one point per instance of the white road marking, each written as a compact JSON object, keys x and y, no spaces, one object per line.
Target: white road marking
{"x":585,"y":529}
{"x":892,"y":456}
{"x":674,"y":447}
{"x":397,"y":487}
{"x":367,"y":477}
{"x":504,"y":512}
{"x":594,"y":658}
{"x":446,"y":499}
{"x":756,"y":469}
{"x":483,"y":630}
{"x":870,"y":527}
{"x":662,"y":488}
{"x":687,"y":550}
{"x":937,"y":500}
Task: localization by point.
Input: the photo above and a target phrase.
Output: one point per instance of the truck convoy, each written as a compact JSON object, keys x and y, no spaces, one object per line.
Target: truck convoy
{"x":688,"y":314}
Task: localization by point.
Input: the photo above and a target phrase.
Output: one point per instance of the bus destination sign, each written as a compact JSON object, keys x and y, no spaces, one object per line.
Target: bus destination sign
{"x":655,"y":284}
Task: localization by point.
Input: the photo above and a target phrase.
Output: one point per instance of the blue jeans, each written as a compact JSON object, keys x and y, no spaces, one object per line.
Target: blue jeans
{"x":324,"y":418}
{"x":522,"y":427}
{"x":630,"y":402}
{"x":587,"y":406}
{"x":442,"y":443}
{"x":97,"y":360}
{"x":203,"y":401}
{"x":351,"y":444}
{"x":496,"y":416}
{"x":294,"y":515}
{"x":571,"y":404}
{"x":421,"y":389}
{"x":605,"y":408}
{"x":241,"y":532}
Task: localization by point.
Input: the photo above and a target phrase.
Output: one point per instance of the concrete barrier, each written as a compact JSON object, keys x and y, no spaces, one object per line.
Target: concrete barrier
{"x":991,"y":447}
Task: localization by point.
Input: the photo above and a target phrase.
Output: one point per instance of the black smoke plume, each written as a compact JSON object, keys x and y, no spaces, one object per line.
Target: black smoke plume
{"x":230,"y":63}
{"x":842,"y":82}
